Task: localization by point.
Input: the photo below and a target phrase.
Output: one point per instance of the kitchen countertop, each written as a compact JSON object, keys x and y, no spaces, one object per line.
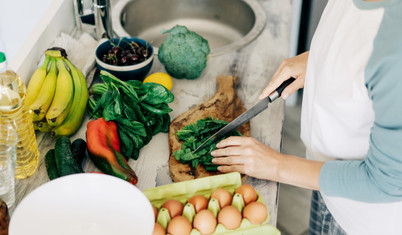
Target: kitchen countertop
{"x":254,"y":64}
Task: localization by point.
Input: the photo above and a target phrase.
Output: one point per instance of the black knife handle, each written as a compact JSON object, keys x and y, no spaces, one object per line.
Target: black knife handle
{"x":284,"y":85}
{"x":280,"y":89}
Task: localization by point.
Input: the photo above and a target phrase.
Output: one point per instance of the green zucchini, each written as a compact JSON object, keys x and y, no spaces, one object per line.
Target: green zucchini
{"x":63,"y":155}
{"x":51,"y":166}
{"x":78,"y":149}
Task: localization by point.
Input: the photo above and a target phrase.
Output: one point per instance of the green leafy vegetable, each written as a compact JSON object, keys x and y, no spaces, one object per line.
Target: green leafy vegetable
{"x":139,"y":110}
{"x":184,"y":53}
{"x":195,"y":134}
{"x":156,"y":94}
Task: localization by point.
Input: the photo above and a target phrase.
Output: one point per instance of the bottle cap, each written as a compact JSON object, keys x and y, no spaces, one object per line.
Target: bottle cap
{"x":2,"y":57}
{"x":3,"y":61}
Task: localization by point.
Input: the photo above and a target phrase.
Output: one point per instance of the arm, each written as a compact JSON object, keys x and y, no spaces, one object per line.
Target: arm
{"x":249,"y":156}
{"x":378,"y":178}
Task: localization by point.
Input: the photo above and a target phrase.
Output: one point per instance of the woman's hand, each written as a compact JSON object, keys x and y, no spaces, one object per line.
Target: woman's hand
{"x":247,"y":156}
{"x":292,"y":67}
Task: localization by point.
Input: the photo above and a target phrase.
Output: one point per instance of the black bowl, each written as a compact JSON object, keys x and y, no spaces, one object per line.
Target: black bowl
{"x":124,"y":72}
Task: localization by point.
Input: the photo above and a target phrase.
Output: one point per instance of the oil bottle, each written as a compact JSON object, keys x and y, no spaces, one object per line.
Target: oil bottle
{"x":13,"y":108}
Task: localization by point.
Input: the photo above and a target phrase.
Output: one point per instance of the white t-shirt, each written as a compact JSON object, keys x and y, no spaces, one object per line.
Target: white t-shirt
{"x":352,"y":110}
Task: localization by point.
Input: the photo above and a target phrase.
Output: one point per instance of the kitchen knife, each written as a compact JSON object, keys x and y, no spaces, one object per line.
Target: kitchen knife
{"x":249,"y":114}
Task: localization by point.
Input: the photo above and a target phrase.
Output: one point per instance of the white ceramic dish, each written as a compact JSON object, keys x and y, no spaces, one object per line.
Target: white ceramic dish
{"x":81,"y":204}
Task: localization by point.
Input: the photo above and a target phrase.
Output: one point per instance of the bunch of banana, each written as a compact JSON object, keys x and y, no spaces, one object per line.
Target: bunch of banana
{"x":57,"y":97}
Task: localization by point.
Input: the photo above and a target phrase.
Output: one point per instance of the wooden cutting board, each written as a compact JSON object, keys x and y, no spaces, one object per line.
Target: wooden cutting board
{"x":224,"y":105}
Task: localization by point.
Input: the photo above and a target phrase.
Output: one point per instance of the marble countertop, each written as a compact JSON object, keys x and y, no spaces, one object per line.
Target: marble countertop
{"x":254,"y":64}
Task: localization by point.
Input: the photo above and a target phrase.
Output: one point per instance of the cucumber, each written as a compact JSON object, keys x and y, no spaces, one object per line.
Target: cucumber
{"x":51,"y":166}
{"x":78,"y":149}
{"x":63,"y":155}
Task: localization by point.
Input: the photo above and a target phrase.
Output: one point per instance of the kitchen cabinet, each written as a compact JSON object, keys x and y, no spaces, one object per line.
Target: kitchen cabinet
{"x":254,"y":64}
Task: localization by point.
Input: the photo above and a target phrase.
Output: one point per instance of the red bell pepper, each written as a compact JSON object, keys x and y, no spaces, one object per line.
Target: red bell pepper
{"x":104,"y":150}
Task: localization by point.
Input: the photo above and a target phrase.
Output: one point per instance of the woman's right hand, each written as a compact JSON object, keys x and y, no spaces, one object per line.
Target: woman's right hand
{"x":292,"y":67}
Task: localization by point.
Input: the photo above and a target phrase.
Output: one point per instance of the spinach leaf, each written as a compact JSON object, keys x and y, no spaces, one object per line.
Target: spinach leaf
{"x":178,"y":153}
{"x":156,"y":94}
{"x":159,"y":109}
{"x":113,"y":109}
{"x":157,"y":125}
{"x":91,"y":107}
{"x":139,"y":113}
{"x":129,"y":91}
{"x":126,"y":145}
{"x":137,"y":141}
{"x":194,"y":163}
{"x":103,"y":101}
{"x":136,"y":154}
{"x":132,"y":126}
{"x":139,"y":110}
{"x":184,"y":134}
{"x":193,"y":135}
{"x":129,"y":113}
{"x":165,"y":123}
{"x":136,"y":84}
{"x":211,"y":167}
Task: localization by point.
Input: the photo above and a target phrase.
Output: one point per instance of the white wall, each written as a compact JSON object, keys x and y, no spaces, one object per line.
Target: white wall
{"x":28,"y":27}
{"x":18,"y":18}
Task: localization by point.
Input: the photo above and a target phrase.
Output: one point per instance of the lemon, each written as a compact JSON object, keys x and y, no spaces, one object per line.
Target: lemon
{"x":161,"y":78}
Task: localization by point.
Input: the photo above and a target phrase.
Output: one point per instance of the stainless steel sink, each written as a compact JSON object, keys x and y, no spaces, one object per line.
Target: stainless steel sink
{"x":226,"y":24}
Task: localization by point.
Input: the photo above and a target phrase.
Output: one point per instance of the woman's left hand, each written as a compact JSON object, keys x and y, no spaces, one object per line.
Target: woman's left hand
{"x":247,"y":156}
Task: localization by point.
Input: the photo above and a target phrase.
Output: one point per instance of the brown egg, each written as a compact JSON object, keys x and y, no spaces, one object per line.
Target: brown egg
{"x":229,"y":217}
{"x":199,"y":202}
{"x":155,"y":212}
{"x":158,"y":230}
{"x":205,"y":222}
{"x":223,"y":196}
{"x":179,"y":225}
{"x":174,"y":207}
{"x":255,"y":212}
{"x":248,"y":192}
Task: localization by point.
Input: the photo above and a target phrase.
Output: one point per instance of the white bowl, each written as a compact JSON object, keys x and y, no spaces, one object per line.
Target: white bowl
{"x":79,"y":204}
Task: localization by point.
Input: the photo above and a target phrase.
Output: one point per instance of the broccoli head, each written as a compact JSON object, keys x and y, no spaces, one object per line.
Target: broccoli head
{"x":183,"y":53}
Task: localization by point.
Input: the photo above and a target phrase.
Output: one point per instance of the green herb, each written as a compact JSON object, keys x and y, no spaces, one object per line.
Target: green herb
{"x":195,"y":134}
{"x":139,"y":110}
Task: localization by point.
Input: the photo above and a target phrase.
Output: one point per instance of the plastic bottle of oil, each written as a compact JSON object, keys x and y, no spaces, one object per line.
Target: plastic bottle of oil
{"x":13,"y":108}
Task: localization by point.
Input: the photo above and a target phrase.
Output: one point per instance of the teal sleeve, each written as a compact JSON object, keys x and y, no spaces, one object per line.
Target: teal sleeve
{"x":378,"y":178}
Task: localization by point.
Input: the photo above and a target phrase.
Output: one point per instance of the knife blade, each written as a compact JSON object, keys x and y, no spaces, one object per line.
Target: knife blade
{"x":249,"y":114}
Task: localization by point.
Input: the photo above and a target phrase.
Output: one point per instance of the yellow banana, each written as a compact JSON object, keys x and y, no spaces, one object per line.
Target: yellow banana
{"x":42,"y":102}
{"x":36,"y":82}
{"x":36,"y":127}
{"x":76,"y":115}
{"x":63,"y":96}
{"x":43,"y":126}
{"x":56,"y":52}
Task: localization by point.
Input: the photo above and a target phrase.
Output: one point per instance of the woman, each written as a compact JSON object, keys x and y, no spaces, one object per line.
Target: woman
{"x":351,"y":122}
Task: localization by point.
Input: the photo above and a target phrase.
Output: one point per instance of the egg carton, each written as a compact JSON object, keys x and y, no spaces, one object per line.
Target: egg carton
{"x":183,"y":191}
